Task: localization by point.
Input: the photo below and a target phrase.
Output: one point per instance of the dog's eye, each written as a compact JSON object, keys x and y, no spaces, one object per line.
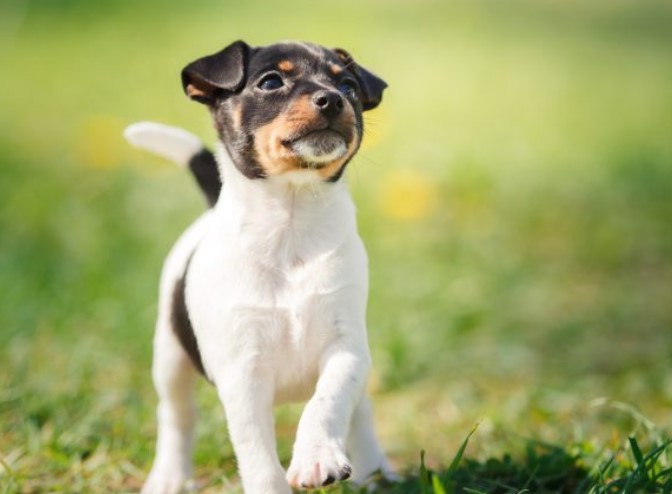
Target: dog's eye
{"x":270,"y":82}
{"x":349,"y":88}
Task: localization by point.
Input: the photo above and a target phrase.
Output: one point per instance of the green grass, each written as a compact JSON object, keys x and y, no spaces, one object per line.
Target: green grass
{"x":513,"y":193}
{"x":551,"y":469}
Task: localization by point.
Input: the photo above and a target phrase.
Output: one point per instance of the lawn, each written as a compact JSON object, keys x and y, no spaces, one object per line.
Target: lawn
{"x":514,"y":192}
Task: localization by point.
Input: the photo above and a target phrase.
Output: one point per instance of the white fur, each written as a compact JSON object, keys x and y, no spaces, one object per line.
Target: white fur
{"x":172,"y":143}
{"x":276,"y":291}
{"x":309,"y":153}
{"x":174,"y":377}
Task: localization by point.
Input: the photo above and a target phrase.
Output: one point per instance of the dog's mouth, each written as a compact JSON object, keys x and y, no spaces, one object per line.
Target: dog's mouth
{"x":318,"y":147}
{"x":302,"y":139}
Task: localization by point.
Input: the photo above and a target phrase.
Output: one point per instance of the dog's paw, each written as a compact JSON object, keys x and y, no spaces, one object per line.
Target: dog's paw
{"x":318,"y":464}
{"x":167,"y":482}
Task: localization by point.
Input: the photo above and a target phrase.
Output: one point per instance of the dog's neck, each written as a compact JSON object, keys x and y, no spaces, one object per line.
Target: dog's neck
{"x":289,"y":191}
{"x":299,"y":213}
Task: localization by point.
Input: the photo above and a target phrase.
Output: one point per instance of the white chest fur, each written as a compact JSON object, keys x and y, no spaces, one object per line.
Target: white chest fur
{"x":279,"y":275}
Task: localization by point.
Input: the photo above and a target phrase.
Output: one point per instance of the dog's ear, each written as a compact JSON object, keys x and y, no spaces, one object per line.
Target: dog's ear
{"x":206,"y":79}
{"x":372,"y":86}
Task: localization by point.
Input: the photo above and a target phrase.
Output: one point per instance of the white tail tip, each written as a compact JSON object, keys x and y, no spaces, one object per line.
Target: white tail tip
{"x":172,"y":143}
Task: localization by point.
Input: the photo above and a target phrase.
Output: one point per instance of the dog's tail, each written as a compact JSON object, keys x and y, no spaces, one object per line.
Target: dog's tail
{"x":182,"y":147}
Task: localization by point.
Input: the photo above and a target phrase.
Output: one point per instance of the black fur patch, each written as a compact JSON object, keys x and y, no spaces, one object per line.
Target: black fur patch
{"x":204,"y":167}
{"x":181,"y":323}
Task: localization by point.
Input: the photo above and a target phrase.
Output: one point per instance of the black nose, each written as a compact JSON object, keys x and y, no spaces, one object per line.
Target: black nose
{"x":330,"y":103}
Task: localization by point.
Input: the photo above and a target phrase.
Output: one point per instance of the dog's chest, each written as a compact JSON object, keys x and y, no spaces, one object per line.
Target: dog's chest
{"x":271,"y":291}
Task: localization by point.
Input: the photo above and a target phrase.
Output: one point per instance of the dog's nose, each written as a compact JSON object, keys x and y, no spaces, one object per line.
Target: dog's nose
{"x":330,"y":103}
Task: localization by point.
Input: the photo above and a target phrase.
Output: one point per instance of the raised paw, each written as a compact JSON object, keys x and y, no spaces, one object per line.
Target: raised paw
{"x":318,"y":465}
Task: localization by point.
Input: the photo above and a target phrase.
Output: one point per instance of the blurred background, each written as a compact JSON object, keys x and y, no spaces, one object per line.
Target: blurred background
{"x":514,"y":192}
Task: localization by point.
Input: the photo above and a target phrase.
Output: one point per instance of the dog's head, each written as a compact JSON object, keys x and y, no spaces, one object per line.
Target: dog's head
{"x":286,"y":107}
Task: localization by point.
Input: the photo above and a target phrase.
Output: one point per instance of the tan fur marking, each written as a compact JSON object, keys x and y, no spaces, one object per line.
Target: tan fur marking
{"x":237,"y":116}
{"x":335,"y":69}
{"x":286,"y":66}
{"x":193,"y":92}
{"x":275,"y":158}
{"x":344,"y":56}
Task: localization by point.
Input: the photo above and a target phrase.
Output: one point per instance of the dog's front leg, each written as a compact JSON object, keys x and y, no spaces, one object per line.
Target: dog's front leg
{"x":246,"y":391}
{"x":319,"y":456}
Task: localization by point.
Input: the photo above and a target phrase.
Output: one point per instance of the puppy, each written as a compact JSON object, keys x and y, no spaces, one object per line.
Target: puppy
{"x":265,"y":294}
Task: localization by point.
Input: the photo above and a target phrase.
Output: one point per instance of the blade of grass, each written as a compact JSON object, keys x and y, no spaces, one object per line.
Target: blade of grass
{"x":665,"y":475}
{"x":604,"y":469}
{"x":442,"y":484}
{"x":652,"y":457}
{"x":460,"y":452}
{"x":424,"y":480}
{"x":437,"y":486}
{"x":639,"y":457}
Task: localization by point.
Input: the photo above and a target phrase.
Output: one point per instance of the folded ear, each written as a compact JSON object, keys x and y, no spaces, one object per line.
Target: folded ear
{"x":372,"y":86}
{"x":206,"y":79}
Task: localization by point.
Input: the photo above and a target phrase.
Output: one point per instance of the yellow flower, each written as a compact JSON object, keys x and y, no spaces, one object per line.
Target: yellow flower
{"x":408,"y":195}
{"x":98,"y":142}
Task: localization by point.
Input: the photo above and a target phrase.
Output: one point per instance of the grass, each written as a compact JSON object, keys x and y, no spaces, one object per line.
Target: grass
{"x":552,"y":469}
{"x":513,"y":193}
